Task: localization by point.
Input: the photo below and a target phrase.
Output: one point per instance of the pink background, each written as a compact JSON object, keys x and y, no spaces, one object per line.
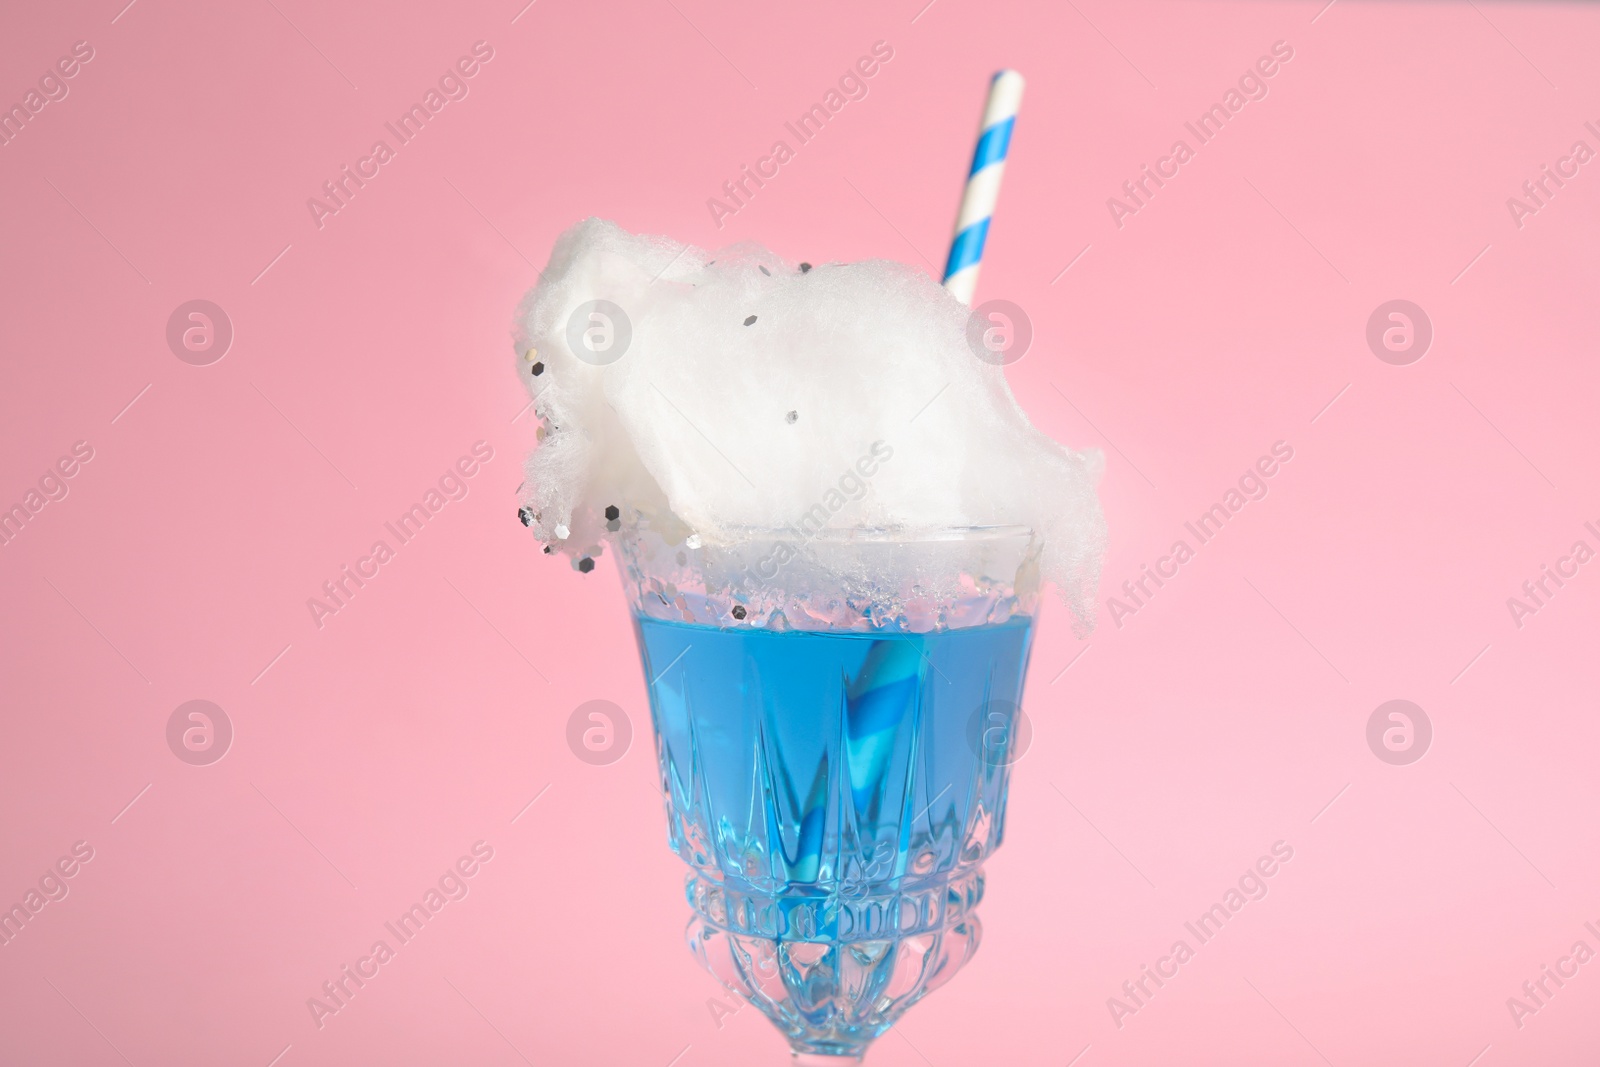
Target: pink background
{"x":369,"y":354}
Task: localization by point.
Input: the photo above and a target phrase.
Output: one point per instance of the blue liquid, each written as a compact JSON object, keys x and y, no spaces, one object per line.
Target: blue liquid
{"x":835,"y":794}
{"x":821,"y":764}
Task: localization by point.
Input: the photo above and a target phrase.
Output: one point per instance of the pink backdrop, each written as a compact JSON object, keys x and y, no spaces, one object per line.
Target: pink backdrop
{"x":369,"y":754}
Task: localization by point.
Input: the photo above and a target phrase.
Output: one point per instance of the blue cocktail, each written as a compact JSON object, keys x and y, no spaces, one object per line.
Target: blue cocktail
{"x":835,"y":765}
{"x":832,"y":519}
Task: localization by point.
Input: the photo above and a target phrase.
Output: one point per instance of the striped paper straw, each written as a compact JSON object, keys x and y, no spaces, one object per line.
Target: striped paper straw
{"x":983,"y":185}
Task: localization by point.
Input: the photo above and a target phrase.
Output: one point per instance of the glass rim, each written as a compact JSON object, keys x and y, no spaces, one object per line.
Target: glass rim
{"x":887,"y":535}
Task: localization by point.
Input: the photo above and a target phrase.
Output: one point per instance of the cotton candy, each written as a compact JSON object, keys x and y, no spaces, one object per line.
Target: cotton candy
{"x":715,"y":397}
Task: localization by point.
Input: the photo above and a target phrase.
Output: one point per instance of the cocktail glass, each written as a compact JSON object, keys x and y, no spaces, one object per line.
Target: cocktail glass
{"x":834,"y":756}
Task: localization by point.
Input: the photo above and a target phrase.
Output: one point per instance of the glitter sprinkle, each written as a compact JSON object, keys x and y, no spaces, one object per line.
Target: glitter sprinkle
{"x":612,"y":512}
{"x":765,"y":271}
{"x":525,"y":515}
{"x":738,"y":611}
{"x":750,"y":321}
{"x":792,"y":417}
{"x":693,"y":540}
{"x":548,"y":550}
{"x":537,"y":368}
{"x":586,"y":564}
{"x":805,"y":268}
{"x":562,"y":533}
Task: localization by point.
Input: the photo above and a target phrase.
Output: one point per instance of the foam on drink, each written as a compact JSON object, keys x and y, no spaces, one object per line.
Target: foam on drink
{"x":716,"y":397}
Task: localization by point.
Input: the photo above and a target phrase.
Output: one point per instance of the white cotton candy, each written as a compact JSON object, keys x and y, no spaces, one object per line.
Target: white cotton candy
{"x":853,"y":400}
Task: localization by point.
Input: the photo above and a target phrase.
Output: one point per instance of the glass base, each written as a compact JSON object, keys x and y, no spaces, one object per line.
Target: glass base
{"x":832,"y":998}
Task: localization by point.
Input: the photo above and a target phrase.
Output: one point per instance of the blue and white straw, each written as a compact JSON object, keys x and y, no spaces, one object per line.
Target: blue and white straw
{"x":983,"y":185}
